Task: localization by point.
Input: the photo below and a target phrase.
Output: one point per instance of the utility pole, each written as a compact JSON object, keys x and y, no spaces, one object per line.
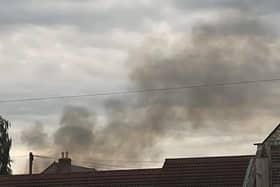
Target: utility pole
{"x":31,"y":158}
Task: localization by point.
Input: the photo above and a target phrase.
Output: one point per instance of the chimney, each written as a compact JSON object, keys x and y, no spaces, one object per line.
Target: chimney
{"x":64,"y":163}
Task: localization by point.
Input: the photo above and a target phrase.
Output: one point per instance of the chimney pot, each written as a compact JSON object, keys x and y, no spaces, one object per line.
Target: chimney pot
{"x":64,"y":163}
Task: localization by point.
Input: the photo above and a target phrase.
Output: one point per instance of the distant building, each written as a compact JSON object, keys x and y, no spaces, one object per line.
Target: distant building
{"x":260,"y":170}
{"x":64,"y":165}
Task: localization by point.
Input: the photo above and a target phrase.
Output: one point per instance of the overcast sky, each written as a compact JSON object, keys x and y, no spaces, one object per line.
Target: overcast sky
{"x":70,"y":47}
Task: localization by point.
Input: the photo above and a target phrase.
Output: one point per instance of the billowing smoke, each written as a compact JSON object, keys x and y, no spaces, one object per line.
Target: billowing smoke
{"x":35,"y":137}
{"x":75,"y":133}
{"x":79,"y":134}
{"x":237,"y":47}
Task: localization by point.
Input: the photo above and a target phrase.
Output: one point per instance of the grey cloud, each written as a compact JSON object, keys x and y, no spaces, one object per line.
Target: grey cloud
{"x":208,"y":4}
{"x":32,"y":66}
{"x":257,"y":6}
{"x":83,"y":14}
{"x":89,"y":15}
{"x":237,"y":24}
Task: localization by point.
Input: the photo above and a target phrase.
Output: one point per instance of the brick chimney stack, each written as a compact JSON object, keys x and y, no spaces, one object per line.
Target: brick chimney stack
{"x":64,"y":163}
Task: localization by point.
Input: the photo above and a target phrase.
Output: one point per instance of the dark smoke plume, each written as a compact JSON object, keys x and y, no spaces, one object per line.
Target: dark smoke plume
{"x":35,"y":137}
{"x":75,"y":133}
{"x":237,"y":47}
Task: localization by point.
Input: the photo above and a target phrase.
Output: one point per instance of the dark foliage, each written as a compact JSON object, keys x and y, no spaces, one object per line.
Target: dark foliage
{"x":5,"y":146}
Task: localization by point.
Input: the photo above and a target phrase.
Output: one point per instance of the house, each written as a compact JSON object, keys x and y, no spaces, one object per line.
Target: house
{"x":260,"y":170}
{"x":206,"y":171}
{"x":268,"y":160}
{"x":64,"y":165}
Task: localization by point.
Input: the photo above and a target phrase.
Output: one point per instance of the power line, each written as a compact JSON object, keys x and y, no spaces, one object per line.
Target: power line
{"x":45,"y":157}
{"x":131,"y":161}
{"x":98,"y":164}
{"x":98,"y":161}
{"x":106,"y":165}
{"x":37,"y":156}
{"x":102,"y":163}
{"x":125,"y":164}
{"x":139,"y":91}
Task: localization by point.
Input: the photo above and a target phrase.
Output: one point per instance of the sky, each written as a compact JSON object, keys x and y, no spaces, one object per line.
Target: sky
{"x":68,"y":47}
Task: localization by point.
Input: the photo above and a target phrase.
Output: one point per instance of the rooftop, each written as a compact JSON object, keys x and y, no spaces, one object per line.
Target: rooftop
{"x":203,"y":171}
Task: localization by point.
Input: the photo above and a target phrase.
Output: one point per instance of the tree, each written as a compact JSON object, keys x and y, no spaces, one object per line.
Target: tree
{"x":5,"y":146}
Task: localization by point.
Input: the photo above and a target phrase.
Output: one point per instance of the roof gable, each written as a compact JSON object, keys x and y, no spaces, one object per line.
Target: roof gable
{"x":274,"y":135}
{"x":54,"y":168}
{"x":51,"y":168}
